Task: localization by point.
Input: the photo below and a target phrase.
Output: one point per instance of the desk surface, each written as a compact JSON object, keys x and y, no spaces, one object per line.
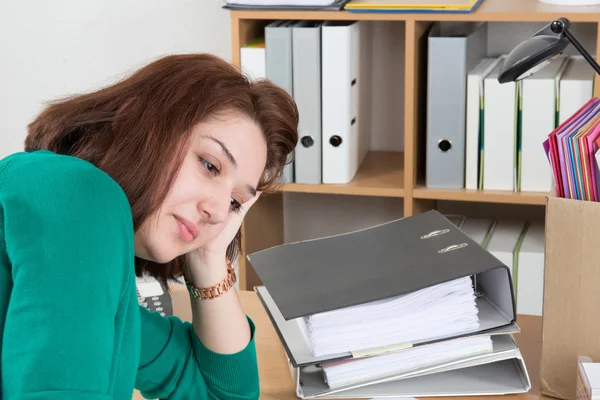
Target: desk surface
{"x":275,"y":377}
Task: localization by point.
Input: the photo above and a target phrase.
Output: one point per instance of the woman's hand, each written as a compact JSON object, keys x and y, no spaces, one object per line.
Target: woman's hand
{"x":206,"y":264}
{"x":220,"y":324}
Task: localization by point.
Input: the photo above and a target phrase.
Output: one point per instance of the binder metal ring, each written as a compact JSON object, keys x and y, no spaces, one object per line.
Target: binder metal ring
{"x":435,"y":233}
{"x":453,"y":247}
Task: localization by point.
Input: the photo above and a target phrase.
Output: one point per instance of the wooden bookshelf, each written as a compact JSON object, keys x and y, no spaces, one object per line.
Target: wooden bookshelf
{"x":489,"y":10}
{"x":381,"y":174}
{"x":483,"y":196}
{"x":392,"y":174}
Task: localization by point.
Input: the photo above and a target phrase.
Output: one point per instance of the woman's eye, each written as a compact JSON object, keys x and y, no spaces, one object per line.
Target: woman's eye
{"x":235,"y":205}
{"x":209,"y":166}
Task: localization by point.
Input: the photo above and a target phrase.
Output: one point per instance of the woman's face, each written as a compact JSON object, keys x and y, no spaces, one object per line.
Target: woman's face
{"x":219,"y":173}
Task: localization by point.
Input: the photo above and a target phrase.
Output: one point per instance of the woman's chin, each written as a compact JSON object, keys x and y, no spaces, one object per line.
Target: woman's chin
{"x":159,"y":256}
{"x":165,"y":258}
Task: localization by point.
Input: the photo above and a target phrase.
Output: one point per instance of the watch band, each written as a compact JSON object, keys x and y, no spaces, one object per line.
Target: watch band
{"x":214,"y":291}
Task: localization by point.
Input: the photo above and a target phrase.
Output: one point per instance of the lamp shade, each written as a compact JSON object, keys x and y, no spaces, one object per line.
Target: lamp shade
{"x":532,"y":55}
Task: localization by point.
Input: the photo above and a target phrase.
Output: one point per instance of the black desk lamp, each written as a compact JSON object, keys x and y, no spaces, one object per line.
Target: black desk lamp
{"x":540,"y":50}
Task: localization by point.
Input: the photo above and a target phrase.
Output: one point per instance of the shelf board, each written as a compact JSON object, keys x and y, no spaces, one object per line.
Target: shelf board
{"x":381,"y":174}
{"x":489,"y":10}
{"x":485,"y":196}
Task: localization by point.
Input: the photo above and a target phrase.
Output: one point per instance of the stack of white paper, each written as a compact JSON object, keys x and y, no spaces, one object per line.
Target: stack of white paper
{"x":344,"y":372}
{"x":443,"y":310}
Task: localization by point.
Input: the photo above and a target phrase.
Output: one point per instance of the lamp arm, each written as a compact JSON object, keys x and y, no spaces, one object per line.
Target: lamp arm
{"x":581,"y":50}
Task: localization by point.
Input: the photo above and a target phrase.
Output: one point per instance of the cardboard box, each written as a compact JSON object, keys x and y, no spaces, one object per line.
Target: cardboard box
{"x":571,"y":317}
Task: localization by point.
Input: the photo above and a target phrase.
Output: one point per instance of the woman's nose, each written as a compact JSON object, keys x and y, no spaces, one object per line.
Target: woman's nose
{"x":215,"y":208}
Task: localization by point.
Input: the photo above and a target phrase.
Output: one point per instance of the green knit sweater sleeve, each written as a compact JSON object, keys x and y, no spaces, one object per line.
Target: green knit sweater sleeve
{"x":175,"y":365}
{"x":68,"y":235}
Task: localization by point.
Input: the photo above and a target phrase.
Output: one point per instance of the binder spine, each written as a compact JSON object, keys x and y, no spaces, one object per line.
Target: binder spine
{"x":344,"y":146}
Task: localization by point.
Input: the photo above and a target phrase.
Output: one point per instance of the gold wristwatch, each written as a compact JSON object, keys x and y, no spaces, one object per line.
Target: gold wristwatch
{"x":212,"y":292}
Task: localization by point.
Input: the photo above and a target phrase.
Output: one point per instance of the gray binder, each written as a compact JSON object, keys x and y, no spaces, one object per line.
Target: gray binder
{"x":454,"y":48}
{"x":306,"y":44}
{"x":278,"y":68}
{"x":402,"y":256}
{"x":501,"y":372}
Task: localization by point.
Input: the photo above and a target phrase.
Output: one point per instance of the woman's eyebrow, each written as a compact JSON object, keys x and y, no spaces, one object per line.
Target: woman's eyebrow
{"x":228,"y":154}
{"x":251,"y":190}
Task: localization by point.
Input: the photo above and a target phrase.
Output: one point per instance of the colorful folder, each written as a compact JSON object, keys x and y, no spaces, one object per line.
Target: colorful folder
{"x":571,"y":149}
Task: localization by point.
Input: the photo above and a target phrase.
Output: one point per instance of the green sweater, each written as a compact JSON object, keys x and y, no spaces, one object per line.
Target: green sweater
{"x":70,"y":323}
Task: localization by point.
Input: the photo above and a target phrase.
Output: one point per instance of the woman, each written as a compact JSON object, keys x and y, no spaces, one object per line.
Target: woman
{"x":153,"y":175}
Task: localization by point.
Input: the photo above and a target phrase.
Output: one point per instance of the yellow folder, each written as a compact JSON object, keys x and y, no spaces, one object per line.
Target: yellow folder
{"x":413,"y":5}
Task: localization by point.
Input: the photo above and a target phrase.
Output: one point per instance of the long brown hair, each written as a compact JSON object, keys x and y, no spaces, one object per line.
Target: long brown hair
{"x":137,"y":130}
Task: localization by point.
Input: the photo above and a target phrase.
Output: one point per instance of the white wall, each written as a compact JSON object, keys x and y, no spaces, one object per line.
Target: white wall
{"x":53,"y":48}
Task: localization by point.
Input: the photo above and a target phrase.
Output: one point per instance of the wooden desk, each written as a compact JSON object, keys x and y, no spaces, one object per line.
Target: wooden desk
{"x":275,"y":377}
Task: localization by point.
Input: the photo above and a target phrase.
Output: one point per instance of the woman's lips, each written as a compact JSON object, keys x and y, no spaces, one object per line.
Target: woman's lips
{"x":187,"y":231}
